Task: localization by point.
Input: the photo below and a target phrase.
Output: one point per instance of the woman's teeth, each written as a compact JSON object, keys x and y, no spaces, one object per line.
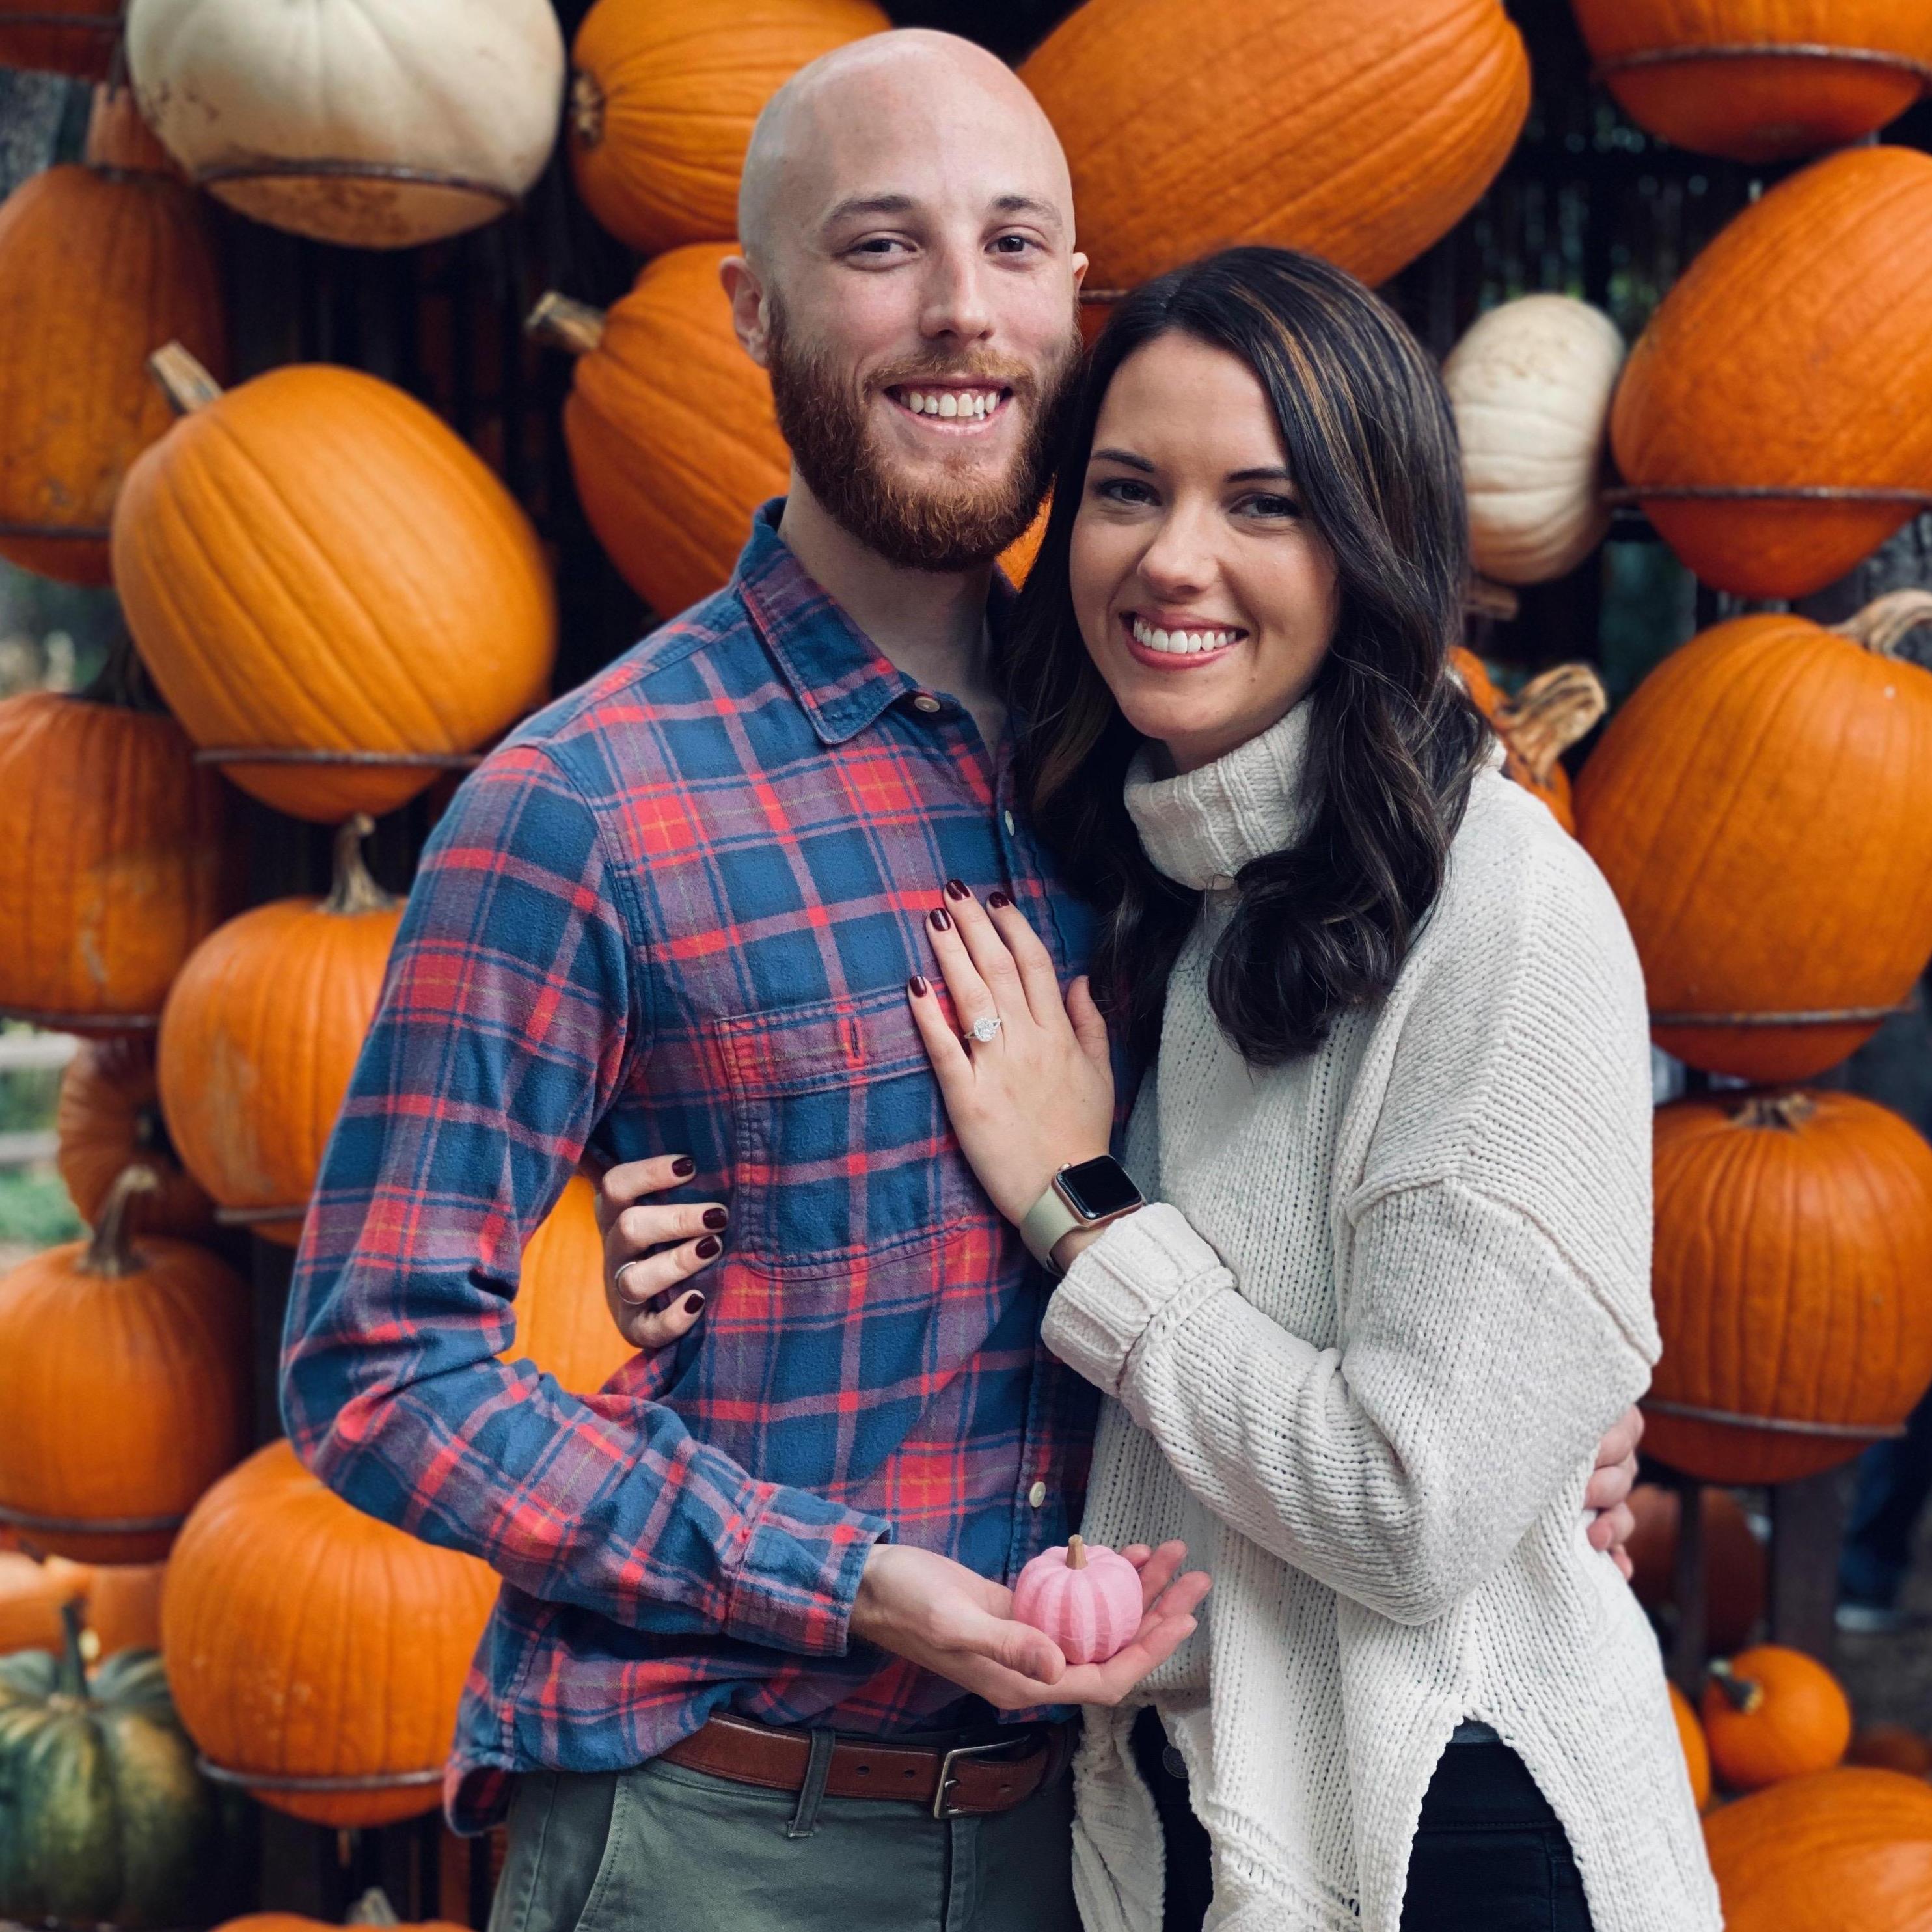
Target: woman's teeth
{"x":974,"y":403}
{"x":1181,"y":644}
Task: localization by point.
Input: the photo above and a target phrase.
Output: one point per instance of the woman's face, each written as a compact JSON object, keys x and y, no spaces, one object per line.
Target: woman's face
{"x":1205,"y":597}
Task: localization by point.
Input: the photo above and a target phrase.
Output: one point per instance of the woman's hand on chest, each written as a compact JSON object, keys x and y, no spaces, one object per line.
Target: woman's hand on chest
{"x":1024,"y":1072}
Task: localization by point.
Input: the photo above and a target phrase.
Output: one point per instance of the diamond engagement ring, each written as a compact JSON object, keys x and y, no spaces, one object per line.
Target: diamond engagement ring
{"x":983,"y":1028}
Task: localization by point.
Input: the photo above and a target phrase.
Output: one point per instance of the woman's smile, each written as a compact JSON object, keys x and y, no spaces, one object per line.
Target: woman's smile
{"x":1163,"y":641}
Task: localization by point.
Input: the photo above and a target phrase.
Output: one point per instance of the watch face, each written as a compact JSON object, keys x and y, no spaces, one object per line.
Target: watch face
{"x":1097,"y":1188}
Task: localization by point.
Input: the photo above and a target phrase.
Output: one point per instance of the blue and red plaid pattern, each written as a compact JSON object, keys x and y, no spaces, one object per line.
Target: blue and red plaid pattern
{"x":675,"y":914}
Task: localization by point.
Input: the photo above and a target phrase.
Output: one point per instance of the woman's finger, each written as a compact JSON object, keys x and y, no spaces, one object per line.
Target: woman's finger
{"x":632,"y":1180}
{"x":656,"y":1225}
{"x":651,"y":1327}
{"x":1040,"y":978}
{"x":992,"y":958}
{"x":638,"y":1281}
{"x":972,"y":998}
{"x":944,"y":1048}
{"x":1089,"y":1027}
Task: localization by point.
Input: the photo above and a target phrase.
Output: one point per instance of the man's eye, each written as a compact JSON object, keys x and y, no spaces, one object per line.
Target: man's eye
{"x":1015,"y":244}
{"x":877,"y":245}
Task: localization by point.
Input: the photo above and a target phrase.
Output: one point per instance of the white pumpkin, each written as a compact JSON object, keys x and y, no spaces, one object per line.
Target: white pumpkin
{"x":378,"y":123}
{"x":1530,"y":383}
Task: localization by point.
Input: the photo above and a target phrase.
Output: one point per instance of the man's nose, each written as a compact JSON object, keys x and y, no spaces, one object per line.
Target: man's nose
{"x":956,"y":298}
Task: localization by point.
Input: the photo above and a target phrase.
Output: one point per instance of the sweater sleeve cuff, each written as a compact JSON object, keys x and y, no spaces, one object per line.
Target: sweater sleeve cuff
{"x":797,"y":1576}
{"x":1141,"y":1265}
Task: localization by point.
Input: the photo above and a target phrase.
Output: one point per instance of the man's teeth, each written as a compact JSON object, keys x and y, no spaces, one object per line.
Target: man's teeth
{"x":974,"y":403}
{"x":1181,"y":644}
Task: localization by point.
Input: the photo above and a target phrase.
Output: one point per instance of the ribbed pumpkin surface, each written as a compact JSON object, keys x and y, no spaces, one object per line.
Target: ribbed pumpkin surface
{"x":1795,"y":351}
{"x":259,"y":1039}
{"x":1772,"y":1713}
{"x":306,"y":1639}
{"x":1767,"y":108}
{"x":109,"y":1113}
{"x":115,"y":864}
{"x":96,"y":272}
{"x":1763,"y":808}
{"x":1361,"y":132}
{"x":672,"y":439}
{"x":1839,"y":1849}
{"x":1792,"y":1275}
{"x":86,"y":49}
{"x":314,"y":559}
{"x":120,"y":1398}
{"x":563,"y":1324}
{"x":663,"y":96}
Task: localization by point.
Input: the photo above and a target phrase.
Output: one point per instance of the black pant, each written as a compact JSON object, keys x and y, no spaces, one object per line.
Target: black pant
{"x":1489,"y":1855}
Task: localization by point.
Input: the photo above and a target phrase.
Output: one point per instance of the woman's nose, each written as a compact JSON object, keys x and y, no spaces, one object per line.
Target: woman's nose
{"x":1179,"y":560}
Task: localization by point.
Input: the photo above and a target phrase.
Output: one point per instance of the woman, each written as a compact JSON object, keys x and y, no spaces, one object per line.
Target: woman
{"x":1389,"y":1283}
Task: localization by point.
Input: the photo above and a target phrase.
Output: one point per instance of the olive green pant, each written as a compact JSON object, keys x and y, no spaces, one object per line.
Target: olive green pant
{"x":663,"y":1849}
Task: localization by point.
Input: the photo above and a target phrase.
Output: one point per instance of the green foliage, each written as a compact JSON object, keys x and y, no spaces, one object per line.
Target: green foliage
{"x":34,"y":1210}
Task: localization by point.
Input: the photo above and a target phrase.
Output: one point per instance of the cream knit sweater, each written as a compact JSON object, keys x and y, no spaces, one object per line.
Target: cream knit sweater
{"x":1360,"y":1355}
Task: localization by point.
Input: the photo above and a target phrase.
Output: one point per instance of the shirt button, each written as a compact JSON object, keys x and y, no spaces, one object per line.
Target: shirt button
{"x":925,"y":702}
{"x":1037,"y":1494}
{"x":1011,"y":827}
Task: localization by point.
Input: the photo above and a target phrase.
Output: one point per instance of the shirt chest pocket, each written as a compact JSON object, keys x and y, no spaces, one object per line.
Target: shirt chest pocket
{"x":841,"y":1146}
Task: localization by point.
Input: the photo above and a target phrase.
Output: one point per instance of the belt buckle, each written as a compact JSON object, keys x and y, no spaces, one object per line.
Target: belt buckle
{"x":941,"y":1810}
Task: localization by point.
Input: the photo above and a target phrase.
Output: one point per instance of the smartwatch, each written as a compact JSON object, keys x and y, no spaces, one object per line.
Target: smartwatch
{"x":1088,"y":1195}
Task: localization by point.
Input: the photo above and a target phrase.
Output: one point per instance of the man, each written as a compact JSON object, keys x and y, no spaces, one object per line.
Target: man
{"x":670,"y":924}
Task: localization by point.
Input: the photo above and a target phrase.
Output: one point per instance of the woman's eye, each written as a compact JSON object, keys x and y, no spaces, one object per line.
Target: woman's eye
{"x":1272,"y":507}
{"x":1122,"y":490}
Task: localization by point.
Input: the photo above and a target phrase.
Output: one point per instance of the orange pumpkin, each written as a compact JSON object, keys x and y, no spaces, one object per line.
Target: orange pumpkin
{"x":672,"y":439}
{"x":1839,"y":1849}
{"x":1553,"y":712}
{"x":1755,"y":374}
{"x":1763,"y":808}
{"x":663,"y":94}
{"x":123,"y":1603}
{"x":1772,"y":1713}
{"x":259,"y":1038}
{"x":123,"y":1387}
{"x":100,"y":264}
{"x":315,"y":1655}
{"x":117,"y":862}
{"x":1696,"y":1752}
{"x":72,"y":36}
{"x":1361,"y":133}
{"x":1892,"y":1748}
{"x":109,"y":1116}
{"x":313,"y":560}
{"x":1819,"y":77}
{"x":1792,"y":1275}
{"x":563,"y":1324}
{"x":1735,"y":1568}
{"x":31,"y":1593}
{"x":373,"y":1909}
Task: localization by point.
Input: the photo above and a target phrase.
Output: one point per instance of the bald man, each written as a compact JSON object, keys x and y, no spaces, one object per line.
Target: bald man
{"x":752,"y":1663}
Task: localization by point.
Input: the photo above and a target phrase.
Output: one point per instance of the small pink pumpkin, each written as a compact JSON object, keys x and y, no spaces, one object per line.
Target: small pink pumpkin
{"x":1086,"y":1597}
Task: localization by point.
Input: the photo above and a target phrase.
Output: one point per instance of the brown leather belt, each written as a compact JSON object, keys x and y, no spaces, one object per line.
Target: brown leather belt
{"x":967,"y":1781}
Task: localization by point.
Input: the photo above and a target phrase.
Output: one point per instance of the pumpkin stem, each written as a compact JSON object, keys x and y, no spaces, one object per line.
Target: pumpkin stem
{"x":1881,"y":626}
{"x":1076,"y":1553}
{"x":186,"y":384}
{"x":1482,"y":598}
{"x":373,"y":1908}
{"x":587,"y":107}
{"x":1746,"y":1693}
{"x":110,"y":1254}
{"x":73,"y":1682}
{"x":119,"y":143}
{"x":354,"y":890}
{"x":1550,"y":714}
{"x":1789,"y":1110}
{"x":559,"y":322}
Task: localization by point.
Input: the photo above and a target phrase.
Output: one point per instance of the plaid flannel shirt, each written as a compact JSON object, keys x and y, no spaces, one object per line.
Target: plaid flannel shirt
{"x":676,"y":912}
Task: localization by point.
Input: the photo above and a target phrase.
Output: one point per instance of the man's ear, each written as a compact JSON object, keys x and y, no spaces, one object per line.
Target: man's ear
{"x":746,"y":295}
{"x":1078,"y":263}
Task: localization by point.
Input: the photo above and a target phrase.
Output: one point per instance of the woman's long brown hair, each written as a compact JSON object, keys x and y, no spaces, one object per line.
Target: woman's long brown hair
{"x":1325,"y":924}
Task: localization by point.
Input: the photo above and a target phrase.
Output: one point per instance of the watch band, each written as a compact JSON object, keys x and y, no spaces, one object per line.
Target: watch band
{"x":1046,"y":1221}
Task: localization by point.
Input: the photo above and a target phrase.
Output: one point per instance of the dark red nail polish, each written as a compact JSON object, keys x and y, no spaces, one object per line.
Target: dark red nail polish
{"x":708,"y":1247}
{"x":684,"y":1167}
{"x":998,"y":901}
{"x":941,"y":919}
{"x":917,"y":986}
{"x":693,"y":1302}
{"x":716,"y":1217}
{"x":956,"y":889}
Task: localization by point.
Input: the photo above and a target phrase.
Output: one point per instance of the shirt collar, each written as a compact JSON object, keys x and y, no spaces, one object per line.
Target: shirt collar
{"x":840,"y":677}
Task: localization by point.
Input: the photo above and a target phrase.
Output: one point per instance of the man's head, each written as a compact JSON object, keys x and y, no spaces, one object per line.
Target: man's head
{"x":909,"y":279}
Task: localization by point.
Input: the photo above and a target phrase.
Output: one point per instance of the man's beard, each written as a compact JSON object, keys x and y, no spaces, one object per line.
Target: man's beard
{"x":936,"y":522}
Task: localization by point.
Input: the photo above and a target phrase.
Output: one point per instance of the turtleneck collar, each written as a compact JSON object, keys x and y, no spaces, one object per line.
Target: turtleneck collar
{"x":1201,"y":828}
